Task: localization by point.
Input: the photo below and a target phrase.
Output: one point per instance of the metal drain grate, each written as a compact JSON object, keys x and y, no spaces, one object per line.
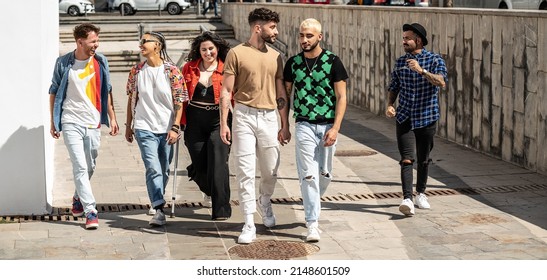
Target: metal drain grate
{"x":273,"y":250}
{"x":64,"y":214}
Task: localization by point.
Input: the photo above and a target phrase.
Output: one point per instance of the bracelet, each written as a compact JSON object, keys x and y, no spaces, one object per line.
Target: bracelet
{"x":176,"y":125}
{"x":175,"y":129}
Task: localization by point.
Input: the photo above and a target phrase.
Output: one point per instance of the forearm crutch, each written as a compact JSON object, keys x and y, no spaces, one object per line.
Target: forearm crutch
{"x":174,"y":194}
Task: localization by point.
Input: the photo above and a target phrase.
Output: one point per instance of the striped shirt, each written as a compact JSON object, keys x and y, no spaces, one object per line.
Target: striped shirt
{"x":418,"y":98}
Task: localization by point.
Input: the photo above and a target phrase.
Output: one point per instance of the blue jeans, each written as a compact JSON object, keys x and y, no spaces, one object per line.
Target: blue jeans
{"x":212,"y":4}
{"x":83,"y":147}
{"x":314,"y":165}
{"x":156,"y":155}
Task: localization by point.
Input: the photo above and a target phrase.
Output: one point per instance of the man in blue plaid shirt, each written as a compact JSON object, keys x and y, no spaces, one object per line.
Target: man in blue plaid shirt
{"x":415,"y":81}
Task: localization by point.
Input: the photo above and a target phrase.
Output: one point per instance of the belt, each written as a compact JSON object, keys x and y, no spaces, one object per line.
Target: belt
{"x":205,"y":107}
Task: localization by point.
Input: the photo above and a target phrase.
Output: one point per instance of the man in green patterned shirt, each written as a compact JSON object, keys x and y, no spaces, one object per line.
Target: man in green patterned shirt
{"x":319,"y":80}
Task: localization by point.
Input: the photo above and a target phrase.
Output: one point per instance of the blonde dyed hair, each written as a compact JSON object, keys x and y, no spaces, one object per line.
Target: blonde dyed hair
{"x":311,"y":23}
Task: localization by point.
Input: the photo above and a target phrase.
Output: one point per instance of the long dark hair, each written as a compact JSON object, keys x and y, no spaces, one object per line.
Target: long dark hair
{"x":163,"y":45}
{"x":222,"y":46}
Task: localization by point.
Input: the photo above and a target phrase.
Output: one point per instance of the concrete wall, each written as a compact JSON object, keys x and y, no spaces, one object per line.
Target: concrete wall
{"x":30,"y":47}
{"x":496,"y":98}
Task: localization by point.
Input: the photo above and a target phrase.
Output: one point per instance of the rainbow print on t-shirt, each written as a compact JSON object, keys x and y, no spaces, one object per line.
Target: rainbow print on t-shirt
{"x":93,"y":87}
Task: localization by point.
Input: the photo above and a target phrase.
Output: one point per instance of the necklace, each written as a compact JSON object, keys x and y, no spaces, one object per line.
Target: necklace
{"x":251,"y":45}
{"x":211,"y":68}
{"x":314,"y":62}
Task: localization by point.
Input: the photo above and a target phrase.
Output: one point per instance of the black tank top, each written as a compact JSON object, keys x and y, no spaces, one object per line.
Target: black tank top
{"x":204,"y":94}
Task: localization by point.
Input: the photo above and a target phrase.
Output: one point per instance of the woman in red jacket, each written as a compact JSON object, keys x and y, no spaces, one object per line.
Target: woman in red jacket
{"x":203,"y":76}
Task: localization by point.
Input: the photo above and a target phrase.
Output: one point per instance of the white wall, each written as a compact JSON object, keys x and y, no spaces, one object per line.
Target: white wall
{"x":30,"y":45}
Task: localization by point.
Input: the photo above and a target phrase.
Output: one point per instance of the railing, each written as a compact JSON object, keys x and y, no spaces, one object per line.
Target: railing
{"x":281,"y":47}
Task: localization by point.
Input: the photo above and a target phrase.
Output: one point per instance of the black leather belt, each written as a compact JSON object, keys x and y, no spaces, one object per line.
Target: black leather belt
{"x":204,"y":107}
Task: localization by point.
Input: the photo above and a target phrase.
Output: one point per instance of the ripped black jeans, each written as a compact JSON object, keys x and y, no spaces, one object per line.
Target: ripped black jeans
{"x":409,"y":141}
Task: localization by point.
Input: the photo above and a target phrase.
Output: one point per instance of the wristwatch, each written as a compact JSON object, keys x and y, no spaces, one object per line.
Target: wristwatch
{"x":424,"y":72}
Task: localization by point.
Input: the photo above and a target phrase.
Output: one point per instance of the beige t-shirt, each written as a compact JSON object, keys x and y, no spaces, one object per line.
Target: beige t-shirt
{"x":255,"y":74}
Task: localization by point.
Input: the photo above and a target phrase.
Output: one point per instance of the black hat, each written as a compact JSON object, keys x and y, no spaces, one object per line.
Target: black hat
{"x":418,"y":29}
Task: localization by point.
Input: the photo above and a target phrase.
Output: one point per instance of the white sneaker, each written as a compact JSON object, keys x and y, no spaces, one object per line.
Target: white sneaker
{"x":248,"y":234}
{"x":268,"y":217}
{"x":421,"y":201}
{"x":313,"y":232}
{"x":151,"y":211}
{"x":158,"y":219}
{"x":207,"y":201}
{"x":407,"y":207}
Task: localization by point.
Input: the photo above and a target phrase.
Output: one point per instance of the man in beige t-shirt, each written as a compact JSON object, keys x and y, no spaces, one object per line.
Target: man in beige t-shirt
{"x":253,"y":72}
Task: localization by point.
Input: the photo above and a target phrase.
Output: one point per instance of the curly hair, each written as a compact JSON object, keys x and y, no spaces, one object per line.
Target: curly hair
{"x":222,"y":46}
{"x":81,"y":31}
{"x":264,"y":15}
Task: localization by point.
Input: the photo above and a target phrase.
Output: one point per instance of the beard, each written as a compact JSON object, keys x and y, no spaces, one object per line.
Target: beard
{"x":311,"y":48}
{"x":408,"y":48}
{"x":268,"y":39}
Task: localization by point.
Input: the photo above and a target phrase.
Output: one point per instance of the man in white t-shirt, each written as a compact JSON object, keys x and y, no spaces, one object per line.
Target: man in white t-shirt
{"x":80,"y":101}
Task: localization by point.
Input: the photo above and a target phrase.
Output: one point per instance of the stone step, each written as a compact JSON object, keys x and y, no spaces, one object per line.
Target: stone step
{"x":119,"y":33}
{"x":133,"y":35}
{"x":122,"y":61}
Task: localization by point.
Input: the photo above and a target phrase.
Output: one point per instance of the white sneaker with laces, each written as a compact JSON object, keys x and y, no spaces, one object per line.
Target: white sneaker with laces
{"x":248,"y":234}
{"x":407,"y":207}
{"x":268,"y":217}
{"x":421,"y":201}
{"x":313,"y":232}
{"x":158,"y":219}
{"x":151,"y":211}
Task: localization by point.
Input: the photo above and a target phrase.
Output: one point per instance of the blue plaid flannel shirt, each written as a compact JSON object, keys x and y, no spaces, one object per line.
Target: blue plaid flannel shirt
{"x":418,"y":98}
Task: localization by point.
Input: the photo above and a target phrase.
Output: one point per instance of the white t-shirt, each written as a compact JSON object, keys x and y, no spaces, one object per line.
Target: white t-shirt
{"x":83,"y":95}
{"x":154,"y":111}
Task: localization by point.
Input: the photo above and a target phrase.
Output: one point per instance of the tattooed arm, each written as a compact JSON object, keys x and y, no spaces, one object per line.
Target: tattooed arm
{"x":180,"y":95}
{"x":284,"y":135}
{"x":225,"y":99}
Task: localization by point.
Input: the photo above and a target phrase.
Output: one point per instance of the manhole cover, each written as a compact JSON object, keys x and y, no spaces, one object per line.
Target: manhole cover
{"x":354,"y":153}
{"x":273,"y":250}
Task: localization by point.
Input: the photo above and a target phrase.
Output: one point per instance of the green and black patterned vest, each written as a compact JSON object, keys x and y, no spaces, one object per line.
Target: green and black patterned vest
{"x":314,"y":96}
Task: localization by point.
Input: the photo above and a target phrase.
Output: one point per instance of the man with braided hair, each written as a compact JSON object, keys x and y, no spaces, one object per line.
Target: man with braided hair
{"x":156,"y":91}
{"x":319,"y":80}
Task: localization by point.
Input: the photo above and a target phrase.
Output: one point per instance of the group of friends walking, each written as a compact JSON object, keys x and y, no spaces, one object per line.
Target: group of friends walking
{"x":234,"y":103}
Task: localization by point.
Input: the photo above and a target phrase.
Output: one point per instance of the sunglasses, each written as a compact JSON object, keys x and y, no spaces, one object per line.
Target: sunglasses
{"x":144,"y":41}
